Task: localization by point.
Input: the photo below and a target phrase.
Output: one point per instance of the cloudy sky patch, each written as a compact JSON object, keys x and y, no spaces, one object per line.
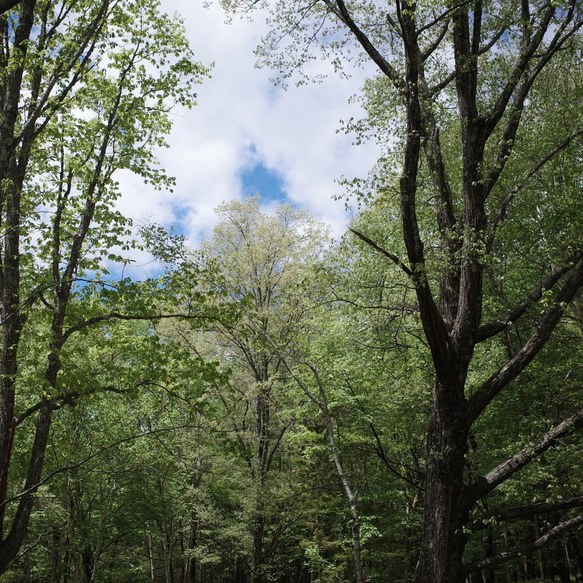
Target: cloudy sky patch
{"x":247,"y":136}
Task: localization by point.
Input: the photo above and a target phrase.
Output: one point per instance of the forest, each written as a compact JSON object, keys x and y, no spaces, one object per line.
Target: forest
{"x":403,"y":404}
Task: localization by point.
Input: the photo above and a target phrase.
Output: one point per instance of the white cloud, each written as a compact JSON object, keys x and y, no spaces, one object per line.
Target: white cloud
{"x":293,"y":132}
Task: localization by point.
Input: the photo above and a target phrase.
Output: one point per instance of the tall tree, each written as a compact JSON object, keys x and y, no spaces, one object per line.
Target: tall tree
{"x":261,"y":262}
{"x":85,"y":90}
{"x":481,"y":61}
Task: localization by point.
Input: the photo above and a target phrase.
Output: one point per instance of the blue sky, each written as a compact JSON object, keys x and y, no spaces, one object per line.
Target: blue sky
{"x":267,"y":182}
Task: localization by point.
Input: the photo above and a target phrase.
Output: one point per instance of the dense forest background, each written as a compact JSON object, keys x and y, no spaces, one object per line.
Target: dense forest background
{"x":274,"y":406}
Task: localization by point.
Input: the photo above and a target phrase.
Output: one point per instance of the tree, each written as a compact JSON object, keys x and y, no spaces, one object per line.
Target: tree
{"x":359,"y":314}
{"x":462,"y":76}
{"x":121,"y":463}
{"x":261,"y":263}
{"x":85,"y":91}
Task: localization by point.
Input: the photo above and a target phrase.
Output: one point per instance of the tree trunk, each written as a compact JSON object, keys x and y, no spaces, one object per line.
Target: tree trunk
{"x":258,"y":556}
{"x":262,"y":426}
{"x":190,"y":575}
{"x":11,"y":176}
{"x":167,"y":546}
{"x":191,"y":565}
{"x":577,"y":556}
{"x":57,"y":560}
{"x":560,"y":562}
{"x":489,"y":576}
{"x":446,"y":511}
{"x":150,"y":544}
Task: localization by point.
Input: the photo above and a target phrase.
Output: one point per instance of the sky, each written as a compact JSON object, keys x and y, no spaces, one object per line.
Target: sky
{"x":248,"y":136}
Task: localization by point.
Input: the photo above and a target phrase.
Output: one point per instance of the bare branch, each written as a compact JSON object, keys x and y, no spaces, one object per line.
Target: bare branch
{"x":380,"y":249}
{"x":501,"y":214}
{"x":340,"y":10}
{"x":443,"y":16}
{"x":496,"y":326}
{"x":538,"y":508}
{"x":435,"y":44}
{"x":520,"y":67}
{"x":519,"y":85}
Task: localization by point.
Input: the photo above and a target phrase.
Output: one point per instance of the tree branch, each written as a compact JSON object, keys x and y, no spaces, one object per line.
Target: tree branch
{"x":537,"y":508}
{"x":6,"y":5}
{"x":69,"y":399}
{"x":520,"y":67}
{"x":505,"y":470}
{"x":340,"y":10}
{"x":530,"y":548}
{"x":501,"y":214}
{"x":52,"y":474}
{"x":118,"y":316}
{"x":492,"y":387}
{"x":496,"y":326}
{"x":386,"y":253}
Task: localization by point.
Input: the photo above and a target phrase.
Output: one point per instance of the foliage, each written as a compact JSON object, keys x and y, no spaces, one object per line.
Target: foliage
{"x":469,"y":83}
{"x":403,"y":403}
{"x":87,"y":89}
